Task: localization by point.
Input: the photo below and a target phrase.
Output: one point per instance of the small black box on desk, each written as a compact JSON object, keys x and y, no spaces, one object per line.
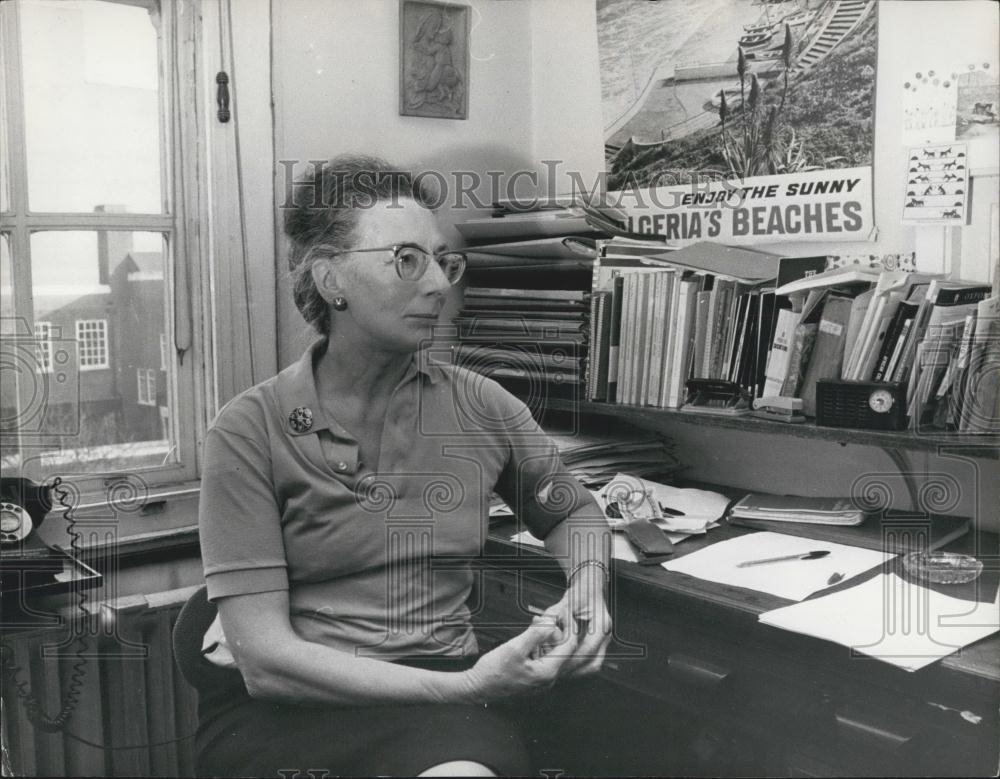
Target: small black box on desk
{"x":868,"y":405}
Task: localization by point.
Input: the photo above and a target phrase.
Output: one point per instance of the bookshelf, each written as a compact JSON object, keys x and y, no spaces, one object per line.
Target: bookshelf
{"x":572,"y":392}
{"x":978,"y":447}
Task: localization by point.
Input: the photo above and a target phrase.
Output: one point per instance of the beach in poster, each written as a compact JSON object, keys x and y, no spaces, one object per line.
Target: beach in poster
{"x":772,"y":98}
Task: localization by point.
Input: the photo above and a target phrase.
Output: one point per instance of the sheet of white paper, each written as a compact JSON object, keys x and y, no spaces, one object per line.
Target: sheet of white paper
{"x":792,"y":579}
{"x":891,"y":619}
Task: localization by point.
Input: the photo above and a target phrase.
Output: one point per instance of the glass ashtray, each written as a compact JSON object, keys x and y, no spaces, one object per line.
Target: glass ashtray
{"x":942,"y":567}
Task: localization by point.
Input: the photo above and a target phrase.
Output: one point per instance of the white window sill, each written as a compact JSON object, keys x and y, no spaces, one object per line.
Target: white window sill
{"x":167,"y":518}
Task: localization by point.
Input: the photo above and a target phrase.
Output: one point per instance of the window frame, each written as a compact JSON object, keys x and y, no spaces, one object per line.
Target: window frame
{"x":225,"y":181}
{"x":189,"y":385}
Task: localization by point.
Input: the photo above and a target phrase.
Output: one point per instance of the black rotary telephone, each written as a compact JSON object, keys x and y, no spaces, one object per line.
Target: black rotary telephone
{"x":23,"y":506}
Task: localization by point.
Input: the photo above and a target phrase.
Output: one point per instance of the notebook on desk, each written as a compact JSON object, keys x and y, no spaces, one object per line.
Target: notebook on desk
{"x":892,"y":531}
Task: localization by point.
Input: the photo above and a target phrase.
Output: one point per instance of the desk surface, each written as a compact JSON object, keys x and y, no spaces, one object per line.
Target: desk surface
{"x":737,"y":608}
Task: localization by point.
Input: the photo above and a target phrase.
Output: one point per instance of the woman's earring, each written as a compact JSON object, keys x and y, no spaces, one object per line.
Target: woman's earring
{"x":340,"y":304}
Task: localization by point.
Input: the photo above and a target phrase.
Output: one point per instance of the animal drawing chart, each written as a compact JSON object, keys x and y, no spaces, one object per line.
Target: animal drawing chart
{"x":937,"y":184}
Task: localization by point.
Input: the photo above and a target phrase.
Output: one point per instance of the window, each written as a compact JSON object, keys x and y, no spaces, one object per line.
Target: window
{"x":145,"y":386}
{"x":94,"y":232}
{"x":92,"y":343}
{"x":43,"y":346}
{"x":117,"y":184}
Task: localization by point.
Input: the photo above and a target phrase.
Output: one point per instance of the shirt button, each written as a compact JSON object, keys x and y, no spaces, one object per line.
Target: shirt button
{"x":341,"y":466}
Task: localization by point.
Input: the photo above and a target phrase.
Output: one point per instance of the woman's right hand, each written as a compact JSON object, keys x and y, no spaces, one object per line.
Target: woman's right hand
{"x":529,"y":661}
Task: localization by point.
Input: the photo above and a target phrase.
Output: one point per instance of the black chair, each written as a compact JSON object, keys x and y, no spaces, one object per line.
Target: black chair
{"x":194,"y":619}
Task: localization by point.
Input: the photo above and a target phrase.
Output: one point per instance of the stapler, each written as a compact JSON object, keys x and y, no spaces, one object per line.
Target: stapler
{"x":716,"y":396}
{"x":779,"y":408}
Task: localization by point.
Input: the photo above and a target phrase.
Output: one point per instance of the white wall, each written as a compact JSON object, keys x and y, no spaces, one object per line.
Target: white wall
{"x":336,"y":76}
{"x":566,"y":90}
{"x":535,"y":95}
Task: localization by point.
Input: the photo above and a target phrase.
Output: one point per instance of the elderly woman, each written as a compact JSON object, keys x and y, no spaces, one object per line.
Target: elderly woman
{"x":344,"y":500}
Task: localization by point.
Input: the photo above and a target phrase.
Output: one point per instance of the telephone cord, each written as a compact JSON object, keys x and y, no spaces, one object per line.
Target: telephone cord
{"x":32,"y":706}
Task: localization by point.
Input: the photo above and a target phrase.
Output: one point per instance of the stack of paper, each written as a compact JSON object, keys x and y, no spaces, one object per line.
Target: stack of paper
{"x":596,"y":458}
{"x":789,"y":508}
{"x":890,"y":619}
{"x":678,"y":511}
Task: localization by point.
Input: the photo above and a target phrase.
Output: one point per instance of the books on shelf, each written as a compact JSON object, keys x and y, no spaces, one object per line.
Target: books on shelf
{"x":791,"y":508}
{"x":828,"y":350}
{"x":912,"y":328}
{"x":778,"y":360}
{"x":644,"y":317}
{"x":942,"y":357}
{"x":834,"y":277}
{"x":724,"y":333}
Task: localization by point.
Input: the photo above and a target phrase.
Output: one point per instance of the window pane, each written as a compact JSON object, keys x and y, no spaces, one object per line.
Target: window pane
{"x":101,"y":300}
{"x":4,"y":122}
{"x":91,"y":94}
{"x":6,"y":287}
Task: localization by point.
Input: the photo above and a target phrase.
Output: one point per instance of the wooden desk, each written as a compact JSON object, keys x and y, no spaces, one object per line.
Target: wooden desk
{"x":809,"y":704}
{"x":683,"y":648}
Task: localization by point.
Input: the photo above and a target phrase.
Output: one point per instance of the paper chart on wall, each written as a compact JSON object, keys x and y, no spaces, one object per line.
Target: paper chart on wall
{"x":937,"y":184}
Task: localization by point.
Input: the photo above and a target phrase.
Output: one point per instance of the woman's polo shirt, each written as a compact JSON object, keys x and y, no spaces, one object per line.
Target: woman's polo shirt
{"x":375,"y":556}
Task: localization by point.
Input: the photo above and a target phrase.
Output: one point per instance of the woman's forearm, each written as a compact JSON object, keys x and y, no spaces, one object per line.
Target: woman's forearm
{"x":300,"y":672}
{"x":277,"y":664}
{"x":583,"y":536}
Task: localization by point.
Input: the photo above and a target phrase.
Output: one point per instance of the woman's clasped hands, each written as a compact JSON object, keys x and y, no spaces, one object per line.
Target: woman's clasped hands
{"x":520,"y":665}
{"x":569,"y":638}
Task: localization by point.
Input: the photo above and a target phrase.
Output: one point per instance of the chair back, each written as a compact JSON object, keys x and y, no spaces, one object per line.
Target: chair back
{"x":189,"y":630}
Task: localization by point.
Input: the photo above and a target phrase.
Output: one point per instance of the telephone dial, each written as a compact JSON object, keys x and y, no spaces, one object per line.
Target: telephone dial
{"x":23,"y":506}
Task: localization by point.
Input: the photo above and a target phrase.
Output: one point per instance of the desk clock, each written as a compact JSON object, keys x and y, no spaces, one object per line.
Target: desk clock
{"x":870,"y":405}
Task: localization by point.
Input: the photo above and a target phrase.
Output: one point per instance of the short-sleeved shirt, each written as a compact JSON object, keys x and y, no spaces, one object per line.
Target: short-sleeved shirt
{"x":375,"y":556}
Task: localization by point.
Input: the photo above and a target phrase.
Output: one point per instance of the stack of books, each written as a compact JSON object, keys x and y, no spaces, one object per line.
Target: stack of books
{"x":931,"y":334}
{"x":704,"y":311}
{"x":524,"y":333}
{"x":629,"y":320}
{"x":530,"y":312}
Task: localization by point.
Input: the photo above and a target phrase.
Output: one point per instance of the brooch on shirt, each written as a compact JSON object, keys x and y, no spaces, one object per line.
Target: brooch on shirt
{"x":301,"y":419}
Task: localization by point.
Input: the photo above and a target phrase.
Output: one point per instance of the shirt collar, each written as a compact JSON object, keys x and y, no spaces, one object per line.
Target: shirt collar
{"x":300,"y":406}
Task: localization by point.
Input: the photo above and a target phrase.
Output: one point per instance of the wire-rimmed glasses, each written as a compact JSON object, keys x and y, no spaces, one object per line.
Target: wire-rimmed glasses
{"x":411,"y":261}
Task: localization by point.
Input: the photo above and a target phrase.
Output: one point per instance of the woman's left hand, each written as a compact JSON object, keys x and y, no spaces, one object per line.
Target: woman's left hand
{"x":583,"y":612}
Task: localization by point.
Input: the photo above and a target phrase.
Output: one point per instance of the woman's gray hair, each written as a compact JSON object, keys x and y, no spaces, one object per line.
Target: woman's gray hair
{"x":322,"y":218}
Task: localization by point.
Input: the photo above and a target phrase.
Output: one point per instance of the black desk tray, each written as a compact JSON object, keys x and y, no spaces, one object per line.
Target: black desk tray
{"x":23,"y":578}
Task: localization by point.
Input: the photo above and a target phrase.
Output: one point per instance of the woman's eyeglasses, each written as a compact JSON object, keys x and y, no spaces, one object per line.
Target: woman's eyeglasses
{"x":411,"y":261}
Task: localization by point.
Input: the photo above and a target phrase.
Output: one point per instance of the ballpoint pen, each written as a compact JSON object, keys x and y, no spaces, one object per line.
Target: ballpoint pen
{"x":803,"y":556}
